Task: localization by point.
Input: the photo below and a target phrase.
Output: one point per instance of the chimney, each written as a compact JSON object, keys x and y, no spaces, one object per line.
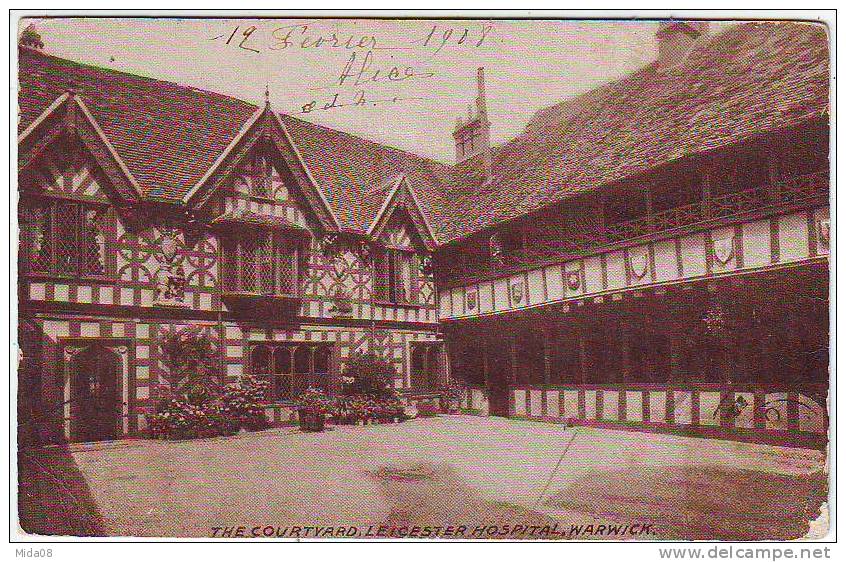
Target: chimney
{"x":676,"y":39}
{"x":30,"y":38}
{"x":473,"y":137}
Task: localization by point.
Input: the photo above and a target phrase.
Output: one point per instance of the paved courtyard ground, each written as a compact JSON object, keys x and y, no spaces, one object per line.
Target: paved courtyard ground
{"x":449,"y":470}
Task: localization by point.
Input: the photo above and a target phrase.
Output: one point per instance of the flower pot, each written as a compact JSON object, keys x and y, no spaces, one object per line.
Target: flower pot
{"x":311,"y":421}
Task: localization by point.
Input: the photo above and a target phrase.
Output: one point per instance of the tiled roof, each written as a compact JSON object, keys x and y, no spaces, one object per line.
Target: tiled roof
{"x":749,"y":79}
{"x":169,"y":135}
{"x":244,"y":216}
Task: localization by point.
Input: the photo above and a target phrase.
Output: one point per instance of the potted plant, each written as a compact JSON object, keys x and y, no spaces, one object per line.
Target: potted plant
{"x":452,"y":395}
{"x":313,"y":406}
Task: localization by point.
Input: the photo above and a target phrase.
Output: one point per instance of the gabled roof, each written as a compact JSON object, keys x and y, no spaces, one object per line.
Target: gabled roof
{"x":266,"y":126}
{"x":168,"y":135}
{"x":173,"y":137}
{"x":747,"y":80}
{"x":400,"y":195}
{"x":69,"y":116}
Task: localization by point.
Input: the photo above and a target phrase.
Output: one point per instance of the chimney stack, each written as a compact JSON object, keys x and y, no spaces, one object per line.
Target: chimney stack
{"x":30,"y":38}
{"x":676,"y":39}
{"x":473,"y":137}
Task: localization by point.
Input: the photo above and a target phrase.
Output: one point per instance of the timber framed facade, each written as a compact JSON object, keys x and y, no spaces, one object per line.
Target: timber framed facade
{"x":670,"y":274}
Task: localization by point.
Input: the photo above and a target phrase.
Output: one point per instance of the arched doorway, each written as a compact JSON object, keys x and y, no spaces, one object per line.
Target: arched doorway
{"x":95,"y":394}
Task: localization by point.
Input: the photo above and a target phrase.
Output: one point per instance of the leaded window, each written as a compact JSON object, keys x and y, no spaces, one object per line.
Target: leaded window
{"x":291,"y":368}
{"x":64,"y":237}
{"x":263,"y":262}
{"x":395,"y":276}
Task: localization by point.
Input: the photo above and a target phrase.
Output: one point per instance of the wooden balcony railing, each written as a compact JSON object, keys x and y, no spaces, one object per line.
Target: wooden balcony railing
{"x":794,"y":191}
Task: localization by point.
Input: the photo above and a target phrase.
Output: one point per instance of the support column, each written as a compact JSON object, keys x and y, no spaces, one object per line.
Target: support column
{"x":512,"y":375}
{"x":625,"y":351}
{"x":675,"y":358}
{"x":583,"y":359}
{"x":547,"y":354}
{"x":706,"y":189}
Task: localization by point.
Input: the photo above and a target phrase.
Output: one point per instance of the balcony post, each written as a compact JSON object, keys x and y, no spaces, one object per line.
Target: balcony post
{"x":773,"y":190}
{"x":583,"y":359}
{"x":547,"y":353}
{"x":649,"y":210}
{"x":706,"y":189}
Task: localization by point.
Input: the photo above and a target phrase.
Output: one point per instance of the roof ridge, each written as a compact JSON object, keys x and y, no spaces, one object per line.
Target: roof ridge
{"x":364,"y":139}
{"x":192,"y":88}
{"x":92,"y":66}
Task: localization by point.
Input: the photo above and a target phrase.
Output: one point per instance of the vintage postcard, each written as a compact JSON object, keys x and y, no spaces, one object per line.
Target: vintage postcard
{"x":465,"y":278}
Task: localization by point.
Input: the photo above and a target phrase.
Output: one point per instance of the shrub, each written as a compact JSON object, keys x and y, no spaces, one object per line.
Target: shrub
{"x":428,"y":409}
{"x":452,"y":395}
{"x":368,"y":374}
{"x":352,"y":409}
{"x":243,"y":404}
{"x":182,"y":414}
{"x":315,"y":401}
{"x":177,"y":417}
{"x":190,"y":356}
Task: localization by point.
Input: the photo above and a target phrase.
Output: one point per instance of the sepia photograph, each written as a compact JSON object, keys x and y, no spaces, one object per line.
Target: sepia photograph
{"x":399,"y":278}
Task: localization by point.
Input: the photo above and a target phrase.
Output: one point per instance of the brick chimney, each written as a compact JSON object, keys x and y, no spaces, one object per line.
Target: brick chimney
{"x":473,"y":136}
{"x":30,"y":38}
{"x":676,"y":39}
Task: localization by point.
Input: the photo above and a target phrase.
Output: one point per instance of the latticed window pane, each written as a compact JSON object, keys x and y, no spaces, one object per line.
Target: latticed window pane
{"x":35,"y":231}
{"x":92,"y":243}
{"x":402,"y":276}
{"x":248,"y":254}
{"x":66,"y":248}
{"x":65,"y":238}
{"x":282,"y":360}
{"x":286,"y":265}
{"x":265,"y":266}
{"x":322,"y":355}
{"x":260,"y":360}
{"x":381,"y":276}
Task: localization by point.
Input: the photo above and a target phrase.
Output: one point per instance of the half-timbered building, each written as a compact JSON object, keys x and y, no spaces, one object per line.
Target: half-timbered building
{"x":652,"y":254}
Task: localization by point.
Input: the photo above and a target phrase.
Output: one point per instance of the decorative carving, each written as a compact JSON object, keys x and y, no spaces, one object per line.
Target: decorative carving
{"x":639,"y":262}
{"x":170,"y":276}
{"x":426,"y":265}
{"x":341,"y":304}
{"x":472,"y":300}
{"x":496,"y":248}
{"x":70,"y":351}
{"x":574,"y":280}
{"x":517,"y":293}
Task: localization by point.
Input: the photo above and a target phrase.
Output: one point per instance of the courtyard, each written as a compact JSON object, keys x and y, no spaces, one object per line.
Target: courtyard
{"x":461,"y":471}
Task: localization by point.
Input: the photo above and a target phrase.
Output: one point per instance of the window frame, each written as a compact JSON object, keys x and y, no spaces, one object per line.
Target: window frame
{"x":274,"y":247}
{"x":386,"y":283}
{"x":49,"y":205}
{"x":293,"y":376}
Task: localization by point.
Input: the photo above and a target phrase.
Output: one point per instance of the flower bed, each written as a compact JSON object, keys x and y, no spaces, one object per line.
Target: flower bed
{"x":208,"y":410}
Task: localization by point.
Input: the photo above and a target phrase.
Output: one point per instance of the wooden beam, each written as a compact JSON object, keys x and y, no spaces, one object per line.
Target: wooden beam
{"x":706,"y":169}
{"x":547,"y":353}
